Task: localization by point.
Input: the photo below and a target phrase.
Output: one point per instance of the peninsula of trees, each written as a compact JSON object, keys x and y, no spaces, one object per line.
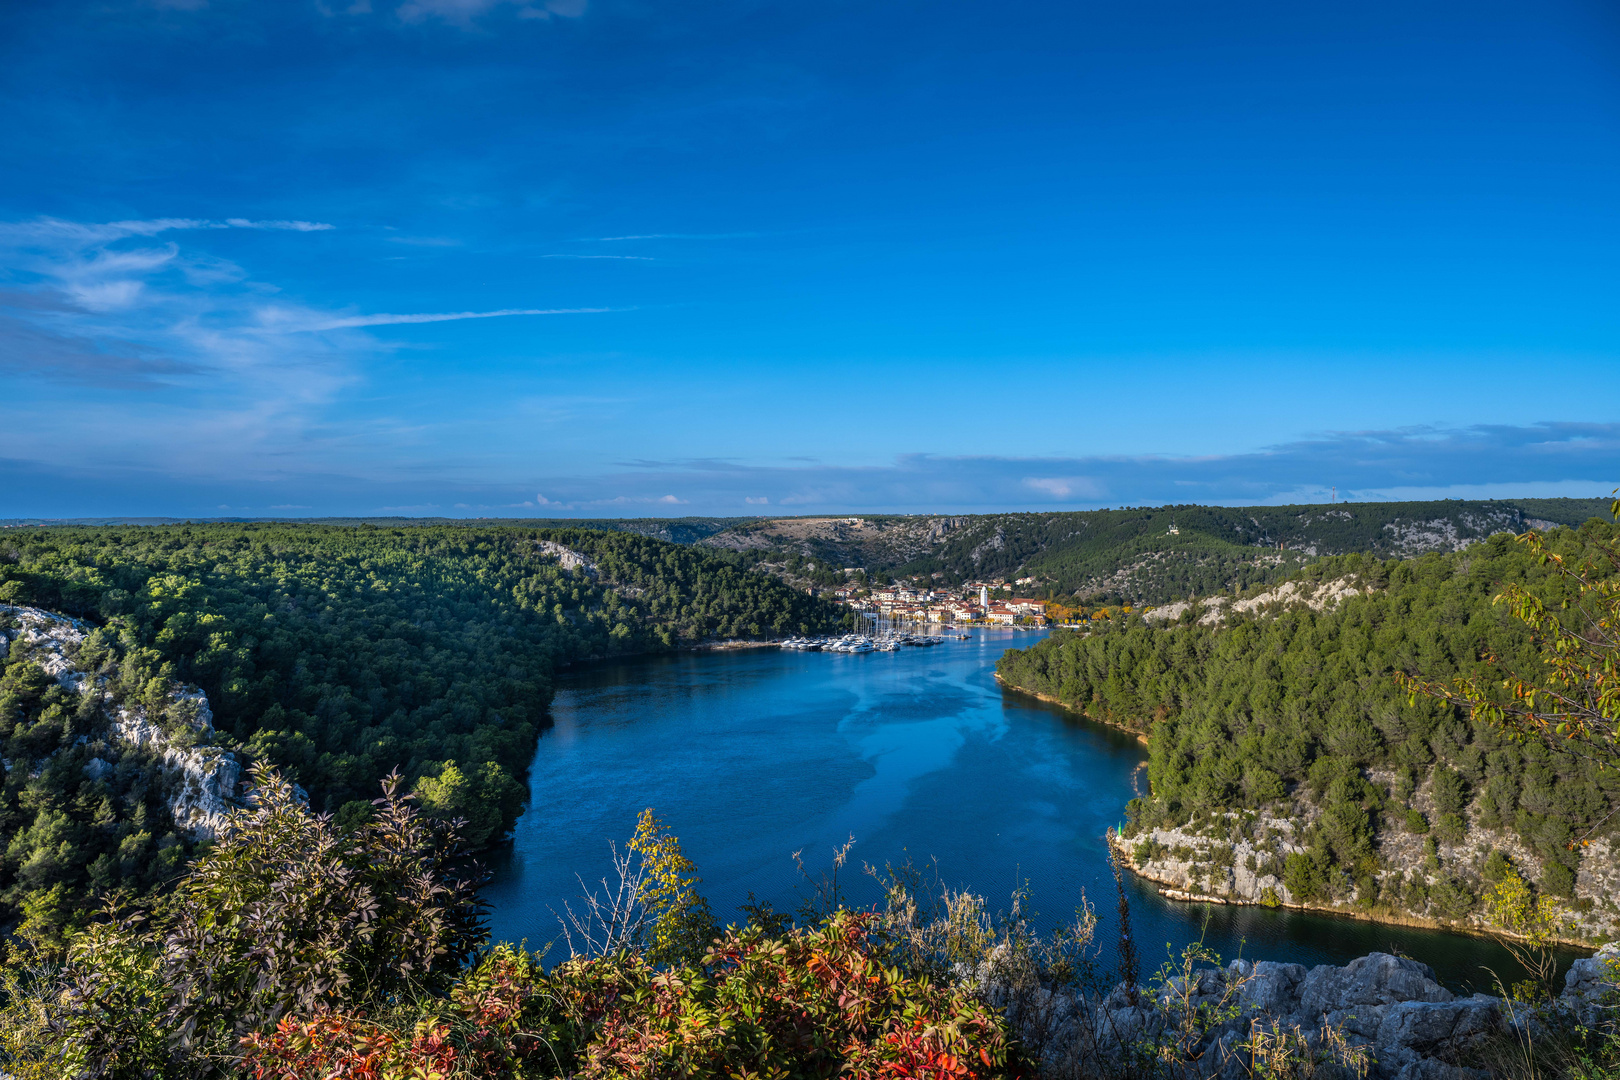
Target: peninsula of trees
{"x":1281,"y":734}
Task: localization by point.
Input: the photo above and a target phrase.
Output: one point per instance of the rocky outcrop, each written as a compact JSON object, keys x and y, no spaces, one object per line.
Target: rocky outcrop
{"x":1589,"y":984}
{"x":175,"y":738}
{"x":567,"y":557}
{"x":1385,"y":1015}
{"x":202,"y":779}
{"x":1243,"y":865}
{"x":1239,"y":858}
{"x":1317,"y":596}
{"x":49,"y":640}
{"x":1412,"y":537}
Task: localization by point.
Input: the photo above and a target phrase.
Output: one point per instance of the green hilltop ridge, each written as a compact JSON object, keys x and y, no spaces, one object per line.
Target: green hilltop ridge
{"x":1288,"y":765}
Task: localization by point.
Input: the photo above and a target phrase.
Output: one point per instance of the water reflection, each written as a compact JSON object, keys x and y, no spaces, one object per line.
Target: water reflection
{"x":754,"y":755}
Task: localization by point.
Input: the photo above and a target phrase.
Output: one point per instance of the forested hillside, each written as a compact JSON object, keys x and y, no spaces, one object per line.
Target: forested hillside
{"x":1136,"y":554}
{"x":1143,"y":554}
{"x":1296,"y":714}
{"x":337,"y":654}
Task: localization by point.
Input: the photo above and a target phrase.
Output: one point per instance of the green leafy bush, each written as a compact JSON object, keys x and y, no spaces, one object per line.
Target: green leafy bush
{"x":284,"y":915}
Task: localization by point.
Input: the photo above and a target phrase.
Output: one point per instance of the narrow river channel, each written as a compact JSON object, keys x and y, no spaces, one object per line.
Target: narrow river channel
{"x":753,"y":755}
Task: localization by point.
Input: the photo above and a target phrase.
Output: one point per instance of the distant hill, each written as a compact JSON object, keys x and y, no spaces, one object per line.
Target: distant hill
{"x":675,"y":530}
{"x":1149,"y":555}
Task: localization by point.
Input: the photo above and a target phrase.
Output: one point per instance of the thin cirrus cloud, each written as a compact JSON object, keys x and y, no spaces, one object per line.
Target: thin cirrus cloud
{"x":465,"y":13}
{"x":225,"y":377}
{"x":49,"y":230}
{"x":96,"y":309}
{"x":671,"y":236}
{"x":351,"y":322}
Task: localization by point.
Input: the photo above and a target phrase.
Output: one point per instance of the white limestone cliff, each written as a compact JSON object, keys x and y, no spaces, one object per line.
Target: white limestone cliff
{"x":201,"y":778}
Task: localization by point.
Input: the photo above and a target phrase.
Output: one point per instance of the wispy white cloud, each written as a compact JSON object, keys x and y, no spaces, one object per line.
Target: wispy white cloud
{"x":465,"y":13}
{"x":296,"y":321}
{"x":671,"y":236}
{"x":232,"y":382}
{"x":49,"y":230}
{"x":628,"y":258}
{"x":1063,"y":487}
{"x":229,"y":379}
{"x":291,"y":226}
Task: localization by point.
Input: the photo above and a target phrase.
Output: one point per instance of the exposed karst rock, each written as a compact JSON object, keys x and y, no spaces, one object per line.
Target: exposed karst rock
{"x":171,"y":738}
{"x":1240,"y":859}
{"x":1389,"y":1008}
{"x":1317,"y":596}
{"x":567,"y":557}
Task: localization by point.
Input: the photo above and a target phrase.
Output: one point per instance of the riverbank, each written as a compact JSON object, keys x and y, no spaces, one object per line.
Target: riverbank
{"x":1174,"y":889}
{"x":1139,"y":736}
{"x":1241,"y":862}
{"x":1196,"y":869}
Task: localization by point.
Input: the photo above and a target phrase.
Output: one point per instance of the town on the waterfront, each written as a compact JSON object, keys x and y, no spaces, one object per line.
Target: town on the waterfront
{"x":971,"y":603}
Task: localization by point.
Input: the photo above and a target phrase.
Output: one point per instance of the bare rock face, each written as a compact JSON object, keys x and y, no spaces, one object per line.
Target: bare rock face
{"x":1590,"y":981}
{"x":1389,"y":1008}
{"x":1245,"y":870}
{"x":1239,"y":859}
{"x":567,"y":557}
{"x":1368,"y":981}
{"x":1317,"y":596}
{"x":202,"y":778}
{"x":1272,"y":988}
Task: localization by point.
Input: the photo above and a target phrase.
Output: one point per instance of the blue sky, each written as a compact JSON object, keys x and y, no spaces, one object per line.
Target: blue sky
{"x":592,"y":257}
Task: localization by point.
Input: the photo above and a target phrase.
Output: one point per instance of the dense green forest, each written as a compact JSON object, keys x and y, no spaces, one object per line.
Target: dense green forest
{"x":336,"y":654}
{"x":684,"y":530}
{"x":1126,"y":555}
{"x":1260,"y":707}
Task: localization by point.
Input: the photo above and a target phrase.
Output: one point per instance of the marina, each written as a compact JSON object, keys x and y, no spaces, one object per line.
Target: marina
{"x":876,"y":641}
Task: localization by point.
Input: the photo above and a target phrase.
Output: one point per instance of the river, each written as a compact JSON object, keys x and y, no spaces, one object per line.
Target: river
{"x":752,"y":755}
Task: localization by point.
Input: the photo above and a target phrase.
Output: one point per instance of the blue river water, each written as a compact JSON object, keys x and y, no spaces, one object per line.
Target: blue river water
{"x":752,"y":755}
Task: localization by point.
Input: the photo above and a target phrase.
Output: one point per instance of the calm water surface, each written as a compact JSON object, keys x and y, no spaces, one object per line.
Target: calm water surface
{"x":752,"y":755}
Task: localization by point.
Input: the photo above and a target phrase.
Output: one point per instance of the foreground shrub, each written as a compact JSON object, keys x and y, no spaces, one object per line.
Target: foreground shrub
{"x":479,"y":1032}
{"x":286,"y":914}
{"x":809,"y":1003}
